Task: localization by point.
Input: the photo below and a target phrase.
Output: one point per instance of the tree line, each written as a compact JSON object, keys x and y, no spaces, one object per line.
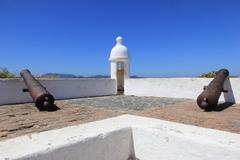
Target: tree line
{"x":5,"y":73}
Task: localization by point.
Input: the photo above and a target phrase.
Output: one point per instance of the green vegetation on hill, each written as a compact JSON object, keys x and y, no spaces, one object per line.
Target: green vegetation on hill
{"x":4,"y":73}
{"x":211,"y":74}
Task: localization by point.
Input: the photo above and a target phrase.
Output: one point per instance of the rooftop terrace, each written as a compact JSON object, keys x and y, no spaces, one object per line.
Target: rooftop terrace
{"x":24,"y":119}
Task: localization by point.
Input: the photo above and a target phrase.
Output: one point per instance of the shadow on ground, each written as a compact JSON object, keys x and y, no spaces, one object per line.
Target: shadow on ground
{"x":49,"y":108}
{"x":223,"y":106}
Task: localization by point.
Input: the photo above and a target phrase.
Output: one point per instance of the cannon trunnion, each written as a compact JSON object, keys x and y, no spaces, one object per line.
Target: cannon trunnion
{"x":41,"y":97}
{"x":208,"y":99}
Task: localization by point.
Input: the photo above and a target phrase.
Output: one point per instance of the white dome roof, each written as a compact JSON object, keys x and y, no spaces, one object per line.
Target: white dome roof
{"x":119,"y":51}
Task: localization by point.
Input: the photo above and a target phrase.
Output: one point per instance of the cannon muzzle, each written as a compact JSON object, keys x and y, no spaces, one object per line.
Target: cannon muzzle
{"x":41,"y":97}
{"x":208,"y":99}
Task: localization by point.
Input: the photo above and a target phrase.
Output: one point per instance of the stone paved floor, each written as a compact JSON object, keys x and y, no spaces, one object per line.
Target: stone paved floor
{"x":121,"y":102}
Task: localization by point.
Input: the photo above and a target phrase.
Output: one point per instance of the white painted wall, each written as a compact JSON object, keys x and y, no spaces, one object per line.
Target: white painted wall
{"x":11,"y":90}
{"x":122,"y":137}
{"x":156,"y":139}
{"x":71,"y":144}
{"x":179,"y":87}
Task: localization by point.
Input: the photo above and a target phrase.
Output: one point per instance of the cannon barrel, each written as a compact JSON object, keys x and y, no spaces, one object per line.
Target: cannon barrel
{"x":41,"y":97}
{"x":208,"y":99}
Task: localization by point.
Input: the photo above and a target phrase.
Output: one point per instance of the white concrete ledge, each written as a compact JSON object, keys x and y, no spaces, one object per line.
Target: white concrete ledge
{"x":122,"y":138}
{"x":11,"y":90}
{"x":179,"y":88}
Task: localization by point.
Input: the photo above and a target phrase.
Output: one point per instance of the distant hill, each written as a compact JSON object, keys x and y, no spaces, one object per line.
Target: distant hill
{"x":57,"y":75}
{"x":99,"y":76}
{"x":60,"y":75}
{"x":134,"y":76}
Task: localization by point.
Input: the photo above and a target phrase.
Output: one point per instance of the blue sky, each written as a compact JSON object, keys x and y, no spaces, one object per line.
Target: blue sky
{"x":165,"y":37}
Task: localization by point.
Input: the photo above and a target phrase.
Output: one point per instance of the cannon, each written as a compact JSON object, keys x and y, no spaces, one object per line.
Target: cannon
{"x":42,"y":98}
{"x":208,"y":99}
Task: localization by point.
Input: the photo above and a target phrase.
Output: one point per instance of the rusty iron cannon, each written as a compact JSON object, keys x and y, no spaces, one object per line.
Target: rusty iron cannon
{"x":208,"y":99}
{"x":41,"y":97}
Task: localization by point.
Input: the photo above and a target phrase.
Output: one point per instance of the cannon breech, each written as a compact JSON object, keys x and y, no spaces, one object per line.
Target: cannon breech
{"x":208,"y":99}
